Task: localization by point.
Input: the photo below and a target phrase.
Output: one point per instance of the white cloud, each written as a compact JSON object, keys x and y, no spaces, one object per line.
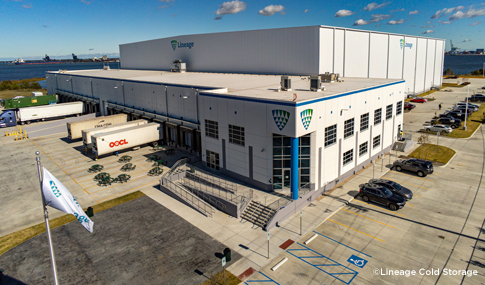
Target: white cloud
{"x":444,"y":23}
{"x":271,"y":10}
{"x":343,"y":13}
{"x":446,"y":11}
{"x":232,"y":7}
{"x":476,"y":23}
{"x":413,"y":12}
{"x":467,"y":40}
{"x":306,"y":10}
{"x":397,"y":10}
{"x":471,"y":13}
{"x":374,"y":5}
{"x":27,"y":6}
{"x":393,"y":22}
{"x":427,"y":32}
{"x":429,"y":22}
{"x":360,"y":22}
{"x":379,"y":17}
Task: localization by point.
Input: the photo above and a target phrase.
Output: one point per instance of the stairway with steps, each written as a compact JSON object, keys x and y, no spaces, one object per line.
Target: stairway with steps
{"x":258,"y":214}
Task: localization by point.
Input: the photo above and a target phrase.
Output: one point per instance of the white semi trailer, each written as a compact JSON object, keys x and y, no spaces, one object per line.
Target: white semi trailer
{"x":118,"y":140}
{"x":87,"y":144}
{"x":10,"y":118}
{"x":74,"y":129}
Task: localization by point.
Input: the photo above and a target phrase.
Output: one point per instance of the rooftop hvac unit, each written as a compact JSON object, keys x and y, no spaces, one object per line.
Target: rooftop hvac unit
{"x":315,"y":83}
{"x":285,"y":83}
{"x":330,"y":77}
{"x":178,"y":66}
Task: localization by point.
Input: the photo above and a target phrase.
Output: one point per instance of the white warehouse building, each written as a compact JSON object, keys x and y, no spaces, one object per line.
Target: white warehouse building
{"x":235,"y":109}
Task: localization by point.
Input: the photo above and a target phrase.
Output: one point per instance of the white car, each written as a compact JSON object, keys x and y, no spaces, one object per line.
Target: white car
{"x":439,"y":128}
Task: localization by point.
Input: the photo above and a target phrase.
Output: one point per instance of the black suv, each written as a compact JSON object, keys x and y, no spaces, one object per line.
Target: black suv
{"x":455,"y":115}
{"x":381,"y":195}
{"x":477,"y":98}
{"x":453,"y":123}
{"x":396,"y":188}
{"x":421,"y":167}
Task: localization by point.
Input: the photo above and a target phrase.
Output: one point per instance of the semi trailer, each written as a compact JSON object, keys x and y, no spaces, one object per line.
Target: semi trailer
{"x":12,"y":117}
{"x":34,"y":100}
{"x":115,"y":141}
{"x":87,"y":144}
{"x":74,"y":129}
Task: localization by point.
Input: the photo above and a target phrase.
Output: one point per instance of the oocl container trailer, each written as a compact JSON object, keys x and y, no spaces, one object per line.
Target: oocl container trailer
{"x":34,"y":100}
{"x":74,"y":129}
{"x":118,"y":140}
{"x":10,"y":118}
{"x":87,"y":143}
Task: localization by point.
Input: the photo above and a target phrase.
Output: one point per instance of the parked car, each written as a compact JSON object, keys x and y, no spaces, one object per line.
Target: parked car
{"x":395,"y":187}
{"x":456,"y":115}
{"x":381,"y":195}
{"x":469,"y":104}
{"x":421,"y":167}
{"x":438,"y":129}
{"x":409,"y":106}
{"x":477,"y":98}
{"x":464,"y":108}
{"x":447,"y":121}
{"x":419,"y":100}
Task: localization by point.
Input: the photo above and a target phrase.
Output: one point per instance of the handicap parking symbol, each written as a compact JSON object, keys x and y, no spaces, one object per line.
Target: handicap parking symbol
{"x":357,"y":261}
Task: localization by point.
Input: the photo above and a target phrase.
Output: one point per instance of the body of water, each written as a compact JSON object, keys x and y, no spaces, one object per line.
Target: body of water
{"x":464,"y":64}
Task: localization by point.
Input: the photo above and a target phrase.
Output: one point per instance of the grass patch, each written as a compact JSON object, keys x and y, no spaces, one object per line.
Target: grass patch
{"x":433,"y":152}
{"x":452,"y":85}
{"x":473,"y":122}
{"x":218,"y":279}
{"x":12,"y":240}
{"x":9,"y":94}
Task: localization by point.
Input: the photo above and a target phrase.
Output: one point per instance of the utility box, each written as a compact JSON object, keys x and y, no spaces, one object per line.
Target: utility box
{"x":315,"y":83}
{"x":285,"y":83}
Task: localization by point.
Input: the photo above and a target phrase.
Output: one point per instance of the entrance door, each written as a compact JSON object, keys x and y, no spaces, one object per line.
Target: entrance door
{"x":286,"y":178}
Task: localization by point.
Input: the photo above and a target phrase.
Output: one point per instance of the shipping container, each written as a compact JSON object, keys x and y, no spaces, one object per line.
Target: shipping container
{"x":90,"y":132}
{"x":111,"y":142}
{"x":74,"y":129}
{"x":30,"y":101}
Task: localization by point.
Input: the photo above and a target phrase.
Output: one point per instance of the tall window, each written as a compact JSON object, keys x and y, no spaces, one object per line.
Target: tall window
{"x":376,"y":141}
{"x":399,"y":108}
{"x":377,"y":116}
{"x":348,"y":156}
{"x":363,"y":148}
{"x":211,"y":129}
{"x":364,"y":122}
{"x":349,"y":128}
{"x":236,"y":135}
{"x":388,"y":112}
{"x":330,"y":135}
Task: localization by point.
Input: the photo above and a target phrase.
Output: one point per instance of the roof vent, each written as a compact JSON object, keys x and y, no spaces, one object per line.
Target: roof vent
{"x":316,"y":84}
{"x":178,"y":66}
{"x":285,"y":83}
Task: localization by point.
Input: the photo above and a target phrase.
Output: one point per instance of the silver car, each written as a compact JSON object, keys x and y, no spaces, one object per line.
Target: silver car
{"x":439,"y":129}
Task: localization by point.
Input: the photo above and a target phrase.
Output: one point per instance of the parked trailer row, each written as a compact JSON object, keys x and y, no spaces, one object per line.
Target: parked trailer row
{"x":10,"y":118}
{"x":34,"y":100}
{"x":87,"y":134}
{"x":118,"y":140}
{"x":74,"y":129}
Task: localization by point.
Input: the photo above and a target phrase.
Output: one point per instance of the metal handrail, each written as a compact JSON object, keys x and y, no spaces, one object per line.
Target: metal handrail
{"x":189,"y":197}
{"x":174,"y":167}
{"x":201,"y":194}
{"x":280,"y":203}
{"x":202,"y":184}
{"x":224,"y":184}
{"x":302,"y":192}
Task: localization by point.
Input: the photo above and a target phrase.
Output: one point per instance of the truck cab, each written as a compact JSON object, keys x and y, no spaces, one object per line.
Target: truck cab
{"x":8,"y":119}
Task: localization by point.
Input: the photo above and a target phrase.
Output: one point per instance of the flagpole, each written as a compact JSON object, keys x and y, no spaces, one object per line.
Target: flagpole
{"x":46,"y":217}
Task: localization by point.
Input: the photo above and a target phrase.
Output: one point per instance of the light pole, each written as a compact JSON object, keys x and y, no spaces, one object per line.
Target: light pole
{"x":466,"y":110}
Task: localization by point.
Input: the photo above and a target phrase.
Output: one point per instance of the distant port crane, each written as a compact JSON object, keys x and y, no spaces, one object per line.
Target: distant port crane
{"x":454,"y":49}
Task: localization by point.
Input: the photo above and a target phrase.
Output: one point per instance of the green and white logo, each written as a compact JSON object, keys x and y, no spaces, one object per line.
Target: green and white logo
{"x":54,"y":189}
{"x":174,"y":44}
{"x":306,"y":117}
{"x":281,"y":117}
{"x":402,"y":43}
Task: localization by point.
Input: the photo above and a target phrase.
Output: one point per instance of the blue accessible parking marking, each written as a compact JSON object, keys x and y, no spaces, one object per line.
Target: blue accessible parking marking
{"x":357,"y":261}
{"x":267,"y":280}
{"x":342,"y":243}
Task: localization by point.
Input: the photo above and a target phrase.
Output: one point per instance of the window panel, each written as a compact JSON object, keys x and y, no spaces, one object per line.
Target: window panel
{"x":389,"y":112}
{"x":364,"y":122}
{"x":330,"y":135}
{"x":399,"y":108}
{"x":377,"y":116}
{"x":376,"y":141}
{"x":349,"y":128}
{"x":363,"y":148}
{"x":236,"y":135}
{"x":348,"y":156}
{"x":212,"y":129}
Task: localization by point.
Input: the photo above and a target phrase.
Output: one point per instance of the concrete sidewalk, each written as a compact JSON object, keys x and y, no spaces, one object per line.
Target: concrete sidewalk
{"x":251,"y":241}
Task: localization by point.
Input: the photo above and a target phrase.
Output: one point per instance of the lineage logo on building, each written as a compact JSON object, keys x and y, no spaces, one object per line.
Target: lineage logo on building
{"x":281,"y":117}
{"x":306,"y":117}
{"x":176,"y":44}
{"x":404,"y":44}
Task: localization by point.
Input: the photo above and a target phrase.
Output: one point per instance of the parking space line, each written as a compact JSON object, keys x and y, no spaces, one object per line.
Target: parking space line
{"x":417,"y":196}
{"x":405,"y":183}
{"x":380,"y":208}
{"x":435,"y":174}
{"x":368,"y":218}
{"x":409,"y":205}
{"x":269,"y":280}
{"x":341,"y":243}
{"x":410,"y":175}
{"x":356,"y":230}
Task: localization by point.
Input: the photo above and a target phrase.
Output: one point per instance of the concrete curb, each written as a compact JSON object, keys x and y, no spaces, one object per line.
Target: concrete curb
{"x":443,"y":166}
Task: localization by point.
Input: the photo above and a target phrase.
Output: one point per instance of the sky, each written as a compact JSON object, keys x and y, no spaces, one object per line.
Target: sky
{"x":29,"y":29}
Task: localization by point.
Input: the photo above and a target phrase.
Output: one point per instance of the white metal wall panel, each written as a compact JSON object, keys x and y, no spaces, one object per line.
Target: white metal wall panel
{"x":356,"y":61}
{"x":378,"y":56}
{"x":438,"y":63}
{"x":430,"y":56}
{"x":81,"y":85}
{"x":326,"y":50}
{"x":64,"y":82}
{"x":182,"y":103}
{"x":51,"y":82}
{"x":409,"y":63}
{"x":261,"y":51}
{"x":338,"y":59}
{"x":420,"y":66}
{"x":396,"y":48}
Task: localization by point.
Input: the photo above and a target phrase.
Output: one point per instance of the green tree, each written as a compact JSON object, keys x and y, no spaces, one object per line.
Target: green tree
{"x":448,"y":71}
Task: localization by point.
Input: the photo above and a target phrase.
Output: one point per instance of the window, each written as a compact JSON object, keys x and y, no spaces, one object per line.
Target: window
{"x":348,"y":156}
{"x":236,"y":135}
{"x":330,"y":135}
{"x":212,"y":159}
{"x":364,"y":122}
{"x":349,"y":128}
{"x":363,"y":148}
{"x":399,"y":108}
{"x":377,"y":116}
{"x":376,"y":142}
{"x":211,"y":129}
{"x":388,"y":112}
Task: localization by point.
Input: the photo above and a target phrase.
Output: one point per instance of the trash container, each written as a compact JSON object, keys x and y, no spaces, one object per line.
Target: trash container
{"x":90,"y":212}
{"x":227,"y":254}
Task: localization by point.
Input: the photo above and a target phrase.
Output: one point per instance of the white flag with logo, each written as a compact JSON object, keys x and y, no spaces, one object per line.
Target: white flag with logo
{"x":57,"y":196}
